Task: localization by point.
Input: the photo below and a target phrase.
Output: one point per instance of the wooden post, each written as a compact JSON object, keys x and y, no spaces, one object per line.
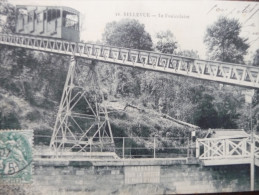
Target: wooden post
{"x":154,"y":147}
{"x":227,"y":147}
{"x":123,"y":147}
{"x":252,"y":165}
{"x":90,"y":147}
{"x":188,"y":149}
{"x":197,"y":149}
{"x":193,"y":137}
{"x":244,"y":147}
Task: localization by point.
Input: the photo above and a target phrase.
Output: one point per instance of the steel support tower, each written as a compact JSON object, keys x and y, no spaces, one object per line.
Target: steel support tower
{"x":82,"y":123}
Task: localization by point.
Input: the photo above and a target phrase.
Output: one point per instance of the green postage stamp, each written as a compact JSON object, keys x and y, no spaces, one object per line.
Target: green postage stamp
{"x":16,"y":156}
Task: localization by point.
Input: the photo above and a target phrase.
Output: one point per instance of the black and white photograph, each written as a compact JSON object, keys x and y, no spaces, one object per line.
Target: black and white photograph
{"x":129,"y":97}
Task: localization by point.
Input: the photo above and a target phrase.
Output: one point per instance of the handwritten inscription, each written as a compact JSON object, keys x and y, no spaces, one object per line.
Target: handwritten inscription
{"x":142,"y":174}
{"x":248,"y":11}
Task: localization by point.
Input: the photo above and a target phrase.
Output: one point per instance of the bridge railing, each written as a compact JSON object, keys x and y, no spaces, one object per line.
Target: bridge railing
{"x":236,"y":74}
{"x":133,"y":147}
{"x":152,"y":147}
{"x":220,"y":148}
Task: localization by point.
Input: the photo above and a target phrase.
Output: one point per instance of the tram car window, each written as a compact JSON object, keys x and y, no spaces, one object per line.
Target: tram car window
{"x":48,"y":21}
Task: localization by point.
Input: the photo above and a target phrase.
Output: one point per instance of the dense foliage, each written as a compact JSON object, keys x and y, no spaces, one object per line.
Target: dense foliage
{"x":165,"y":42}
{"x":7,"y":17}
{"x":204,"y":103}
{"x":224,"y":41}
{"x":127,"y":33}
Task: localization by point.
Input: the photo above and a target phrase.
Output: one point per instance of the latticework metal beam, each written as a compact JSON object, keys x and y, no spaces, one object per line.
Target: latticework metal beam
{"x":235,"y":74}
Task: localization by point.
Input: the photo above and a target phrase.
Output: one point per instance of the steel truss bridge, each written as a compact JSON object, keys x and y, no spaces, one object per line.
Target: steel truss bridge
{"x":235,"y":74}
{"x":211,"y":151}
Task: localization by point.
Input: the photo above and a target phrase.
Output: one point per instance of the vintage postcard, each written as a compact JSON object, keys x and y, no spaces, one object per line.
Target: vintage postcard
{"x":129,"y":97}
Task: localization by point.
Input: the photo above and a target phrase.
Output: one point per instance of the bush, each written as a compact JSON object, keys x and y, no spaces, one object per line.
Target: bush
{"x":9,"y":121}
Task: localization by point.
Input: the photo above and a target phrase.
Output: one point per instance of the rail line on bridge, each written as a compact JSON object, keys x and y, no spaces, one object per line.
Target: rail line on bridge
{"x":235,"y":74}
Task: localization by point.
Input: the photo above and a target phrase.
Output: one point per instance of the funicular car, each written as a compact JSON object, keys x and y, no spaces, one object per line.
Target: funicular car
{"x":48,"y":21}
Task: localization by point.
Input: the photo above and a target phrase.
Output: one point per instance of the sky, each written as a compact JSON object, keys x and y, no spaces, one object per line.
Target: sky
{"x":187,"y":20}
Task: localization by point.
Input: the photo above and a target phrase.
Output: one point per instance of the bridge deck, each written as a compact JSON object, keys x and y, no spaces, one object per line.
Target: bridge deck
{"x":114,"y":162}
{"x":235,"y":161}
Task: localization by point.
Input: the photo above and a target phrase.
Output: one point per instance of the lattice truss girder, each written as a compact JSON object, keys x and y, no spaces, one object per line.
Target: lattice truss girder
{"x":82,"y":122}
{"x":236,"y":74}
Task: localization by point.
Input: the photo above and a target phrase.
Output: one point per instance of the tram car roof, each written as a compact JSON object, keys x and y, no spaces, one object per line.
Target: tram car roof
{"x":68,"y":9}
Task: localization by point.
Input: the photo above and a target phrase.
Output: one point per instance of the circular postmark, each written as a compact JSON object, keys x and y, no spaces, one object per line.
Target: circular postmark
{"x":15,"y":156}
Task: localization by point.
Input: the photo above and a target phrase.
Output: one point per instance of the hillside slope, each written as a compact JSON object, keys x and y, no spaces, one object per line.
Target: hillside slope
{"x":31,"y":88}
{"x":31,"y":85}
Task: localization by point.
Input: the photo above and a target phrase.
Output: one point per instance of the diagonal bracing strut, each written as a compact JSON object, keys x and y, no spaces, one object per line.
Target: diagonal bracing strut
{"x":82,"y":122}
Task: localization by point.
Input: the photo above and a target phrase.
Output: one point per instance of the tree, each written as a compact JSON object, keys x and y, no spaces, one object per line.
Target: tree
{"x":205,"y":114}
{"x":165,"y":42}
{"x":7,"y":17}
{"x":188,"y":53}
{"x":226,"y":104}
{"x":224,"y":42}
{"x":127,"y":33}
